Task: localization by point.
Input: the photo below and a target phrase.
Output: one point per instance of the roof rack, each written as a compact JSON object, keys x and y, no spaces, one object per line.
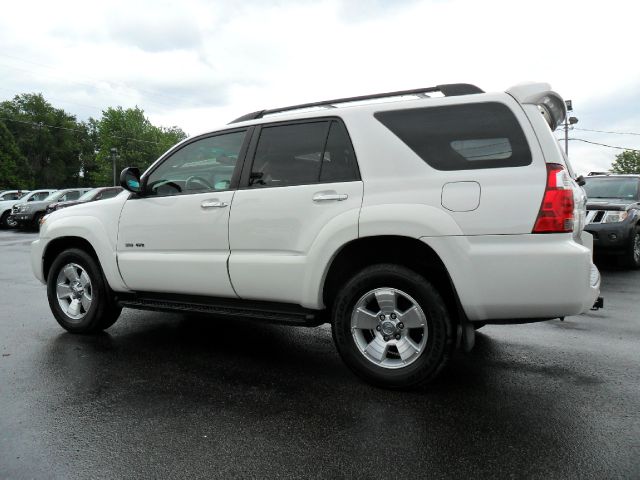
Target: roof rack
{"x":448,"y":90}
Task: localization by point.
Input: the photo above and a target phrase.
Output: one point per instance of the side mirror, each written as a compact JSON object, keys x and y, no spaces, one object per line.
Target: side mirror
{"x":130,"y":179}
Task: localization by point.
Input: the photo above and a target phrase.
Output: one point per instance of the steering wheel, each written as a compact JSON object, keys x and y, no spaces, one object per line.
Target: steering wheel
{"x":197,"y":181}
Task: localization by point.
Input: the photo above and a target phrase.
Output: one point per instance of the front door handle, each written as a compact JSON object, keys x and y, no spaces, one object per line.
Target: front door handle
{"x":329,"y":196}
{"x":213,"y":203}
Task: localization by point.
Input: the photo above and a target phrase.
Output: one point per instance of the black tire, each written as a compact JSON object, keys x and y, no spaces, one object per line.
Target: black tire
{"x":632,"y":256}
{"x":102,"y":312}
{"x":36,"y":220}
{"x":4,"y":218}
{"x":440,"y":339}
{"x":478,"y":325}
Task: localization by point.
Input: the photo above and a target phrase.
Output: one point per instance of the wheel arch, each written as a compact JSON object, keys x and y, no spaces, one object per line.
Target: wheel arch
{"x":406,"y":251}
{"x":60,"y":244}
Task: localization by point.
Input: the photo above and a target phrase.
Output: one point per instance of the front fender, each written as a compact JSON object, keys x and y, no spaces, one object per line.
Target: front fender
{"x":101,"y":239}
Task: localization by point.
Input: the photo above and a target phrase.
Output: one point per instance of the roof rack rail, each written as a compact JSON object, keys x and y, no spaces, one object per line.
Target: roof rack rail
{"x":448,"y":90}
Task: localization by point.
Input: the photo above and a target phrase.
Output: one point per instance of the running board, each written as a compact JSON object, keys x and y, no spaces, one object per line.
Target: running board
{"x":280,"y":313}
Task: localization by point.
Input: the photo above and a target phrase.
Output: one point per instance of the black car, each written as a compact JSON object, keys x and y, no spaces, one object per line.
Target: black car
{"x":93,"y":195}
{"x":613,"y":215}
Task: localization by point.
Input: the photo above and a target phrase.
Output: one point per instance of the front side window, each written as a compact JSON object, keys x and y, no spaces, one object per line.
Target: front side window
{"x":204,"y":165}
{"x":461,"y":137}
{"x":303,"y":154}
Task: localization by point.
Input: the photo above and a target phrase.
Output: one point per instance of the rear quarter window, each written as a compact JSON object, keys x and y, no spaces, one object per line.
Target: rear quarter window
{"x":461,"y":137}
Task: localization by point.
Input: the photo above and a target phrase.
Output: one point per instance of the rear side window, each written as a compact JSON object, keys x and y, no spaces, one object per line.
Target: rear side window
{"x":461,"y":137}
{"x":339,"y":159}
{"x":303,"y":154}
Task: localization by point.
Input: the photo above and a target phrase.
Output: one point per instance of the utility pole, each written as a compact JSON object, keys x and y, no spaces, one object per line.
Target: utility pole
{"x":114,"y":152}
{"x":568,"y":121}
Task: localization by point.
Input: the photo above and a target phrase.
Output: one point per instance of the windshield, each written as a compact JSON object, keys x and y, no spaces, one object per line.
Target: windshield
{"x":611,"y":187}
{"x":54,"y":196}
{"x":89,"y":195}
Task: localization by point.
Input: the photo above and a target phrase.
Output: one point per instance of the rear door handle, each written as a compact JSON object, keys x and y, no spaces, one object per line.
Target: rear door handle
{"x":213,"y":203}
{"x":330,"y":196}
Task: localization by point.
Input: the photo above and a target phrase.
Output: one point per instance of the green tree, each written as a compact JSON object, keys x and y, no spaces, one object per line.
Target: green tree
{"x":627,"y":162}
{"x":13,"y":168}
{"x":46,"y":137}
{"x":136,"y":140}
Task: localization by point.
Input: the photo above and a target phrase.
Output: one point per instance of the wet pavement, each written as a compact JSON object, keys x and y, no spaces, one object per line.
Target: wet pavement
{"x":172,"y":396}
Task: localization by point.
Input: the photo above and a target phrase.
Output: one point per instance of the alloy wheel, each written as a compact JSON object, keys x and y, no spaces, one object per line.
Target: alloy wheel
{"x":389,"y":328}
{"x":74,"y":291}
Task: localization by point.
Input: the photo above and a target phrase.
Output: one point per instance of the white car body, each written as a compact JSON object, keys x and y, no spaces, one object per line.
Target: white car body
{"x":277,"y":244}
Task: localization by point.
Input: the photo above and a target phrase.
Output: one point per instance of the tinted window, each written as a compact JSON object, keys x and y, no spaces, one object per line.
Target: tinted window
{"x":339,"y":160}
{"x":461,"y":137}
{"x":201,"y":166}
{"x":10,"y":196}
{"x":289,"y":154}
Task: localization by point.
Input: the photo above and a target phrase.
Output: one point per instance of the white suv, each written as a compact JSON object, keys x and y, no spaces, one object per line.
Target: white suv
{"x":403,"y":219}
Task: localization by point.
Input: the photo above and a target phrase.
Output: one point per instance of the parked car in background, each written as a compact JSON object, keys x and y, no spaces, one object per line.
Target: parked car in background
{"x":613,"y":215}
{"x":28,"y":214}
{"x":101,"y":193}
{"x":12,"y":194}
{"x":6,"y":219}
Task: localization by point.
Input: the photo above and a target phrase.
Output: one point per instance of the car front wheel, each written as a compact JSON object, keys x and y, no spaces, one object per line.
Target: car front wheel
{"x":391,"y":327}
{"x":633,"y":252}
{"x":79,"y":297}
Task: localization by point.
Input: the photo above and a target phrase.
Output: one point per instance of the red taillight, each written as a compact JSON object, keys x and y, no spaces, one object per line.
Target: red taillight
{"x":556,"y":211}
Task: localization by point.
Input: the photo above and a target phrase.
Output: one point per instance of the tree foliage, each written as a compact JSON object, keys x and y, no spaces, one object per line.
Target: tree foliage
{"x":129,"y":135}
{"x":12,"y":163}
{"x":627,"y":162}
{"x":42,"y":146}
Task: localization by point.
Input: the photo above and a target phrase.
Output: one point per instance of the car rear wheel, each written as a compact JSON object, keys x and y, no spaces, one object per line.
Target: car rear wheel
{"x":78,"y":295}
{"x":391,"y":327}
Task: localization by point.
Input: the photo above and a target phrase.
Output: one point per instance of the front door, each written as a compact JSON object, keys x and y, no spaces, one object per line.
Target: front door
{"x":175,"y":238}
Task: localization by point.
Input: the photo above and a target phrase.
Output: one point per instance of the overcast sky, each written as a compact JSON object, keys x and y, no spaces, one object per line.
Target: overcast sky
{"x":198,"y":64}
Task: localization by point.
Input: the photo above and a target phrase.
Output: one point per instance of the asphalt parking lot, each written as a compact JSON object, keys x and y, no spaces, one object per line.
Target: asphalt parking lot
{"x":171,"y":396}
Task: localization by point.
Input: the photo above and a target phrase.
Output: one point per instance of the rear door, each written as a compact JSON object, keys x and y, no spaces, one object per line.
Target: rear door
{"x":300,"y":177}
{"x":175,"y":238}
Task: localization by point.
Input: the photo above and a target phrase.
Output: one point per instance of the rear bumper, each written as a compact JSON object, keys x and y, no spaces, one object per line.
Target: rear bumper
{"x":502,"y":277}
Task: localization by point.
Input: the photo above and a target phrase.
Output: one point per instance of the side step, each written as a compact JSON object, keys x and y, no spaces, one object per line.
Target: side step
{"x":272,"y":312}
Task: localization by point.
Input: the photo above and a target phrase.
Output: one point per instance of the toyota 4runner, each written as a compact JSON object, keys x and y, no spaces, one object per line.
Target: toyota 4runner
{"x":404,"y":219}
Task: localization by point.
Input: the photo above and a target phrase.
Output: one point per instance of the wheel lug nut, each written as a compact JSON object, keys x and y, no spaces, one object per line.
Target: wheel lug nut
{"x":382,"y":317}
{"x":378,"y":328}
{"x":397,"y":336}
{"x":387,"y":338}
{"x":400,"y":325}
{"x":393,"y":316}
